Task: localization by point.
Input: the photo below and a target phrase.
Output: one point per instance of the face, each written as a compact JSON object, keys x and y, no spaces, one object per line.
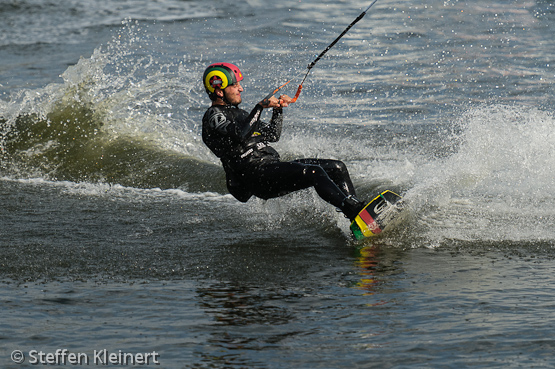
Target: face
{"x":233,"y":93}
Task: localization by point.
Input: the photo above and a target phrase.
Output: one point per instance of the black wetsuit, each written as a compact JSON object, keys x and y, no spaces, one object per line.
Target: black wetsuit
{"x":240,"y":139}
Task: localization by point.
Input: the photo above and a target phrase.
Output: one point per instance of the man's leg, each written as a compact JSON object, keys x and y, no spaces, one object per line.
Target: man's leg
{"x":337,"y":171}
{"x":280,"y":178}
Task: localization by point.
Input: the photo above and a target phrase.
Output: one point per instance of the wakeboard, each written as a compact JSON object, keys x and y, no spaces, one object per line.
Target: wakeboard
{"x":380,"y":213}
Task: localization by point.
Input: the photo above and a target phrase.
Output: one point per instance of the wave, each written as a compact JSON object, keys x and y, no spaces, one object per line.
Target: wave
{"x":112,"y":120}
{"x":72,"y":146}
{"x":497,"y":186}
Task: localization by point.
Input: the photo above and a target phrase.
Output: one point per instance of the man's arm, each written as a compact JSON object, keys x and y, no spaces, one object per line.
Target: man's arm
{"x":272,"y":131}
{"x":246,"y":128}
{"x":226,"y":125}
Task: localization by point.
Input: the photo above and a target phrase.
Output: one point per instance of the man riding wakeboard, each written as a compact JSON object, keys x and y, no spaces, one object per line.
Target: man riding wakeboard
{"x":253,"y":168}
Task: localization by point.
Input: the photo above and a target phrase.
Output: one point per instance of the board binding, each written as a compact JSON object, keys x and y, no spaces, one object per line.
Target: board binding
{"x":377,"y":215}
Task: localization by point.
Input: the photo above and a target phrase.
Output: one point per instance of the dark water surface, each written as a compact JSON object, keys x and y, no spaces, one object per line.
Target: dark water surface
{"x":117,"y":233}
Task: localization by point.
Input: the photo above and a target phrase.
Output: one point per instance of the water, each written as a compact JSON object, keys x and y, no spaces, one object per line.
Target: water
{"x":117,"y":233}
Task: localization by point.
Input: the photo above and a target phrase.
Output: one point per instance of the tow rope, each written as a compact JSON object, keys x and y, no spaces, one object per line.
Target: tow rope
{"x":311,"y":65}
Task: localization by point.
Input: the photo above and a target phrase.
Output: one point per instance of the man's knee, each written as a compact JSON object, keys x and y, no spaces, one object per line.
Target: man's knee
{"x":335,"y":167}
{"x":314,"y":172}
{"x":340,"y":166}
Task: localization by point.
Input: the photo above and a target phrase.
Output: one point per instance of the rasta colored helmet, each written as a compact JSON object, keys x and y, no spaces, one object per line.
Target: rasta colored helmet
{"x":220,"y":75}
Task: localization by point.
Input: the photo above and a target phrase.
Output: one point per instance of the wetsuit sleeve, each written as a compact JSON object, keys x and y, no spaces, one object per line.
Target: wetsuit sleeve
{"x":233,"y":126}
{"x":250,"y":125}
{"x":241,"y":127}
{"x":272,"y":131}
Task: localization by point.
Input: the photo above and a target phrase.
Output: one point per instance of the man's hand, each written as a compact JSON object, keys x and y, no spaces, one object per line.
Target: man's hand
{"x":273,"y":102}
{"x":284,"y":100}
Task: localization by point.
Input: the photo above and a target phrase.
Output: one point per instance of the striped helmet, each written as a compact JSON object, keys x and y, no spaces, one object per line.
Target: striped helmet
{"x":220,"y":75}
